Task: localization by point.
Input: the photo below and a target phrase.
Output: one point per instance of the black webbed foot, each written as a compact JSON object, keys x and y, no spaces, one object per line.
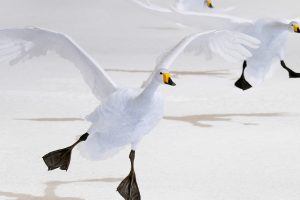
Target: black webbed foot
{"x":128,"y":188}
{"x":61,"y":158}
{"x":292,"y":74}
{"x":58,"y":159}
{"x":242,"y":83}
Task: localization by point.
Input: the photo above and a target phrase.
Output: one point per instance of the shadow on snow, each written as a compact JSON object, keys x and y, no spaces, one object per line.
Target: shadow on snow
{"x":197,"y":120}
{"x":51,"y":186}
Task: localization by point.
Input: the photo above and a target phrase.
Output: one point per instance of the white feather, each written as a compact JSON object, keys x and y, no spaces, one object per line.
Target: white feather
{"x":232,"y":46}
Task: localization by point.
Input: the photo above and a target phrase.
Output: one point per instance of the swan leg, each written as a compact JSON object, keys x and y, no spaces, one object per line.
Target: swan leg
{"x":242,"y":83}
{"x":292,"y":74}
{"x":128,"y":188}
{"x":61,"y":158}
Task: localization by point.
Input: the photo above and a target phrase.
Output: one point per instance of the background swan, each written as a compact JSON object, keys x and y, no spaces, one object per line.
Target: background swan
{"x":272,"y":33}
{"x":274,"y":37}
{"x":186,"y":5}
{"x":125,"y":115}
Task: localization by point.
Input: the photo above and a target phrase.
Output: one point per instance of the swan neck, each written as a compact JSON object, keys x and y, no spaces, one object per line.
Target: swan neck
{"x":149,"y":90}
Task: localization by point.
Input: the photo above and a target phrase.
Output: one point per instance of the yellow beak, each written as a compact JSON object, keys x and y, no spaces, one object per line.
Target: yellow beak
{"x":296,"y":28}
{"x":209,"y":4}
{"x":167,"y":79}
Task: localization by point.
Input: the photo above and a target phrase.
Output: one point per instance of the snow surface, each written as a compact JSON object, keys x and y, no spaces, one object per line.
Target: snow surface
{"x":215,"y":143}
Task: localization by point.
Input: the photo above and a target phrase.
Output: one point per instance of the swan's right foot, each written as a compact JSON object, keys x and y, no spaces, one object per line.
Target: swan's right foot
{"x":292,"y":74}
{"x":61,"y":158}
{"x":128,"y":188}
{"x":242,"y":83}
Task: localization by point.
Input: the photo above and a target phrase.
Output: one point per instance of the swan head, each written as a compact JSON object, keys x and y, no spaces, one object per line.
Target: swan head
{"x":164,"y":77}
{"x":294,"y":27}
{"x":209,"y":3}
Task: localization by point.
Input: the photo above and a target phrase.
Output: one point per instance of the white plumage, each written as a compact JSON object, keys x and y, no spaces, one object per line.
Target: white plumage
{"x":273,"y":35}
{"x":125,"y":115}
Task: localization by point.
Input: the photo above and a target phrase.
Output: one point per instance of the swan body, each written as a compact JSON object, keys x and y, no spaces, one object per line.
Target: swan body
{"x":110,"y":130}
{"x":273,"y":35}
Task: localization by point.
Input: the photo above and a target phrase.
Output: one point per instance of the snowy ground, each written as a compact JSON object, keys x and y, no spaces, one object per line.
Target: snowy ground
{"x":215,"y":143}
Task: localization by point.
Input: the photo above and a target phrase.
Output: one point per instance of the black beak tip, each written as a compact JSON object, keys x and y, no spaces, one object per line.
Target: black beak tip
{"x":170,"y":82}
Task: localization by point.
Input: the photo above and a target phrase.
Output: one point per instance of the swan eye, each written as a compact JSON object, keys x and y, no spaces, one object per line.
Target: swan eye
{"x":160,"y":73}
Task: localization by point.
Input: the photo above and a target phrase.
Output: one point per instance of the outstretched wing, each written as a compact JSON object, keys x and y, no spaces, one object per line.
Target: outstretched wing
{"x":230,"y":45}
{"x":194,"y":19}
{"x":25,"y":43}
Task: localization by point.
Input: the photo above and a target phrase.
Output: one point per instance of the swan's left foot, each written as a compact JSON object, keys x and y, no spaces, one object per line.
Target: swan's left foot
{"x":128,"y":188}
{"x":61,"y":158}
{"x":292,"y":74}
{"x":242,"y":83}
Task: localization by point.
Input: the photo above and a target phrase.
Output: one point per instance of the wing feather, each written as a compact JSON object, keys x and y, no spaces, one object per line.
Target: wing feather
{"x":230,"y":45}
{"x":222,"y":43}
{"x":25,"y":43}
{"x":197,"y":20}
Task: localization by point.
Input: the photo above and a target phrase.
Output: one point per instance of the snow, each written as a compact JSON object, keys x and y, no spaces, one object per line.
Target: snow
{"x":215,"y":143}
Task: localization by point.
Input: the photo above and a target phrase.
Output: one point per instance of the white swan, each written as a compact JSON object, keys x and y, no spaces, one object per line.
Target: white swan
{"x":125,"y":115}
{"x":273,"y":35}
{"x":187,"y":5}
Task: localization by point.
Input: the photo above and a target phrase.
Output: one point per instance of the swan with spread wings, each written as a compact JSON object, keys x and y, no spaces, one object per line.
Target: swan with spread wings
{"x":125,"y":115}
